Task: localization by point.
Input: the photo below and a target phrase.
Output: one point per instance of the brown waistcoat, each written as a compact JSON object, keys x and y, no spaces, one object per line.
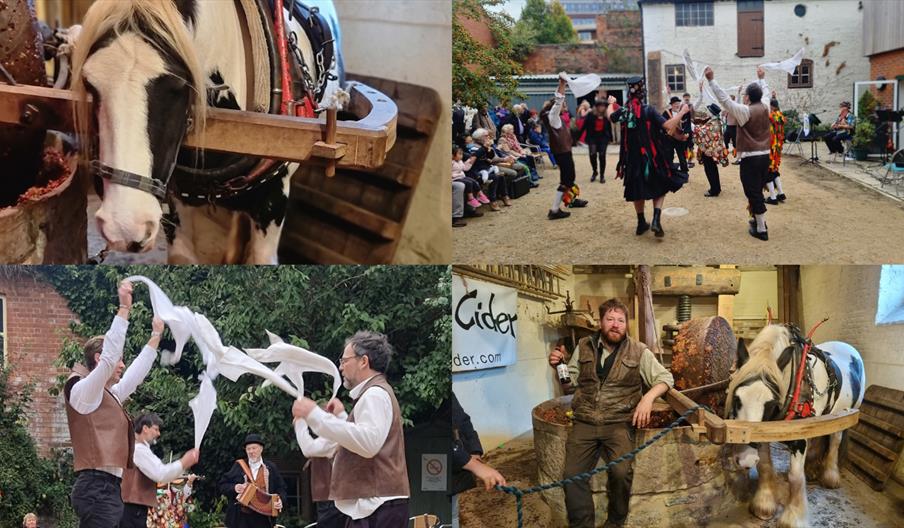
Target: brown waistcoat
{"x":137,"y":488}
{"x":559,"y":138}
{"x":103,"y":438}
{"x":756,"y":134}
{"x":613,"y":400}
{"x":355,"y":477}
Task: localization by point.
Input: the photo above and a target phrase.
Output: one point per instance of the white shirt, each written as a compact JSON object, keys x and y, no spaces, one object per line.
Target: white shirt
{"x":87,"y":393}
{"x":152,"y":467}
{"x":364,"y":437}
{"x":555,"y":112}
{"x":255,"y":466}
{"x":740,"y":112}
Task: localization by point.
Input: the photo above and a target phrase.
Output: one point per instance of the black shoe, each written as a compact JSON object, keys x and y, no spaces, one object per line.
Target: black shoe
{"x":691,"y":164}
{"x":642,"y":228}
{"x":458,"y":222}
{"x":781,"y":197}
{"x":656,"y":227}
{"x":577,"y":202}
{"x":682,"y":169}
{"x":752,"y":223}
{"x":710,"y":194}
{"x":534,"y":185}
{"x":756,"y":234}
{"x":771,"y":201}
{"x":602,"y":179}
{"x":554,"y":215}
{"x":471,"y":212}
{"x":593,"y":177}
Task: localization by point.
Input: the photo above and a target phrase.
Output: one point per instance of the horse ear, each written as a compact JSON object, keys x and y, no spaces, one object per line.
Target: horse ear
{"x":742,"y":354}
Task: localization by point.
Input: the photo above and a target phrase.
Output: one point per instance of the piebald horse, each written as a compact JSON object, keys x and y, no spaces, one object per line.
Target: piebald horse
{"x":760,"y":390}
{"x":153,"y":67}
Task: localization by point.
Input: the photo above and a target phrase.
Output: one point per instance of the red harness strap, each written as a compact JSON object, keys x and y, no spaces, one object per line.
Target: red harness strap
{"x":306,"y":108}
{"x":805,"y":409}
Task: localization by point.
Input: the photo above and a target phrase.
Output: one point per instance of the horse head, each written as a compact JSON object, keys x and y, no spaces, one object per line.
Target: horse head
{"x":755,"y":393}
{"x":136,"y":60}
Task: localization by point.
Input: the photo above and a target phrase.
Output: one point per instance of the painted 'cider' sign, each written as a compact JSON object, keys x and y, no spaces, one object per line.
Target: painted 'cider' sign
{"x":484,"y":324}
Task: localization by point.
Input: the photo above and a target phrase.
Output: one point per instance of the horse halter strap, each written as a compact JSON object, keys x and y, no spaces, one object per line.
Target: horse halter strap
{"x":805,"y":409}
{"x":129,"y":179}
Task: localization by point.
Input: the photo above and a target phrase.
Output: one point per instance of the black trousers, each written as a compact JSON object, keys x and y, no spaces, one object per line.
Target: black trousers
{"x":598,"y":151}
{"x":566,"y":170}
{"x":731,"y":135}
{"x":134,"y":516}
{"x":834,"y":138}
{"x":97,"y":500}
{"x":712,"y":173}
{"x":391,"y":514}
{"x":330,"y":517}
{"x":673,"y":146}
{"x":753,"y":176}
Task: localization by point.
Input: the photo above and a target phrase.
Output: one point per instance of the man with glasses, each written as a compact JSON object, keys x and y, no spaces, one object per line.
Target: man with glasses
{"x":358,"y":459}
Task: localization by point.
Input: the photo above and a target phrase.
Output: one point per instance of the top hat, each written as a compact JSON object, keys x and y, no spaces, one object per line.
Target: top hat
{"x":253,"y":439}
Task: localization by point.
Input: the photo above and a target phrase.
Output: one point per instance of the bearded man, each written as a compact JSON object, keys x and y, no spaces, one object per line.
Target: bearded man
{"x":612,"y":371}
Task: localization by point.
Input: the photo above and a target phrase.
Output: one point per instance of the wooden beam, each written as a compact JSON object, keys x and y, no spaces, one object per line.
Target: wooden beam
{"x":366,"y":140}
{"x":872,"y":445}
{"x":695,"y":281}
{"x":780,"y":431}
{"x":883,"y":426}
{"x":713,"y":425}
{"x":887,"y":403}
{"x":789,"y":294}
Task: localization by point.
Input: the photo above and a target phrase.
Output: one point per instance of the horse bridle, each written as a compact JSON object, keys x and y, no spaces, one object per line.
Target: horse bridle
{"x":234,"y":179}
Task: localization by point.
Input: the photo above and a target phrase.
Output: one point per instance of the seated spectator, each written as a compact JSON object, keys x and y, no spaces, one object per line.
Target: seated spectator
{"x":509,"y":144}
{"x":539,"y":140}
{"x":487,"y":170}
{"x":474,"y":196}
{"x":842,"y":129}
{"x":514,"y":119}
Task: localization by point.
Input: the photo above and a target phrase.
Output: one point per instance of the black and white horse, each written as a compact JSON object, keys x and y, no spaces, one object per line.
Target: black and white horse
{"x":152,"y":68}
{"x":760,"y":390}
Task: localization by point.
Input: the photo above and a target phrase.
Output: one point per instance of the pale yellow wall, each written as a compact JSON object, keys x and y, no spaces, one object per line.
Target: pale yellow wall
{"x":411,"y":42}
{"x":758,"y":288}
{"x":500,"y":400}
{"x":848,"y":296}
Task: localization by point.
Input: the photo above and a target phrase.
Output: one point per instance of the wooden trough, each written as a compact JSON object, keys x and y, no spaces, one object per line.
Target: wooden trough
{"x":686,"y":478}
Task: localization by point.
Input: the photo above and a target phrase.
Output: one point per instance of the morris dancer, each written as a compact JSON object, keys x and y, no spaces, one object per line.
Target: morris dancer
{"x":642,"y":159}
{"x":139,"y":483}
{"x":777,"y":128}
{"x":754,"y":141}
{"x":100,"y":429}
{"x":258,"y":472}
{"x":711,"y":151}
{"x":358,"y":461}
{"x":560,"y":142}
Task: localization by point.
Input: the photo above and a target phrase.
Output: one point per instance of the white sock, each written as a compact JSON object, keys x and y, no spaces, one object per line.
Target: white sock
{"x":557,"y":201}
{"x":778,"y":184}
{"x":760,"y":222}
{"x":771,"y":188}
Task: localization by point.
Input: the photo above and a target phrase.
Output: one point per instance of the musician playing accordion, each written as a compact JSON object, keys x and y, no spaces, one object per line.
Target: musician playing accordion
{"x":254,"y":487}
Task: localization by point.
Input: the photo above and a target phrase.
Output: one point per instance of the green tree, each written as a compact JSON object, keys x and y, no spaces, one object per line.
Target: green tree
{"x":313,"y":306}
{"x":481,"y":73}
{"x":548,"y":22}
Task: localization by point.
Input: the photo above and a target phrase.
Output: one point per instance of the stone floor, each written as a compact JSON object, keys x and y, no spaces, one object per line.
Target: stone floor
{"x":853,"y":505}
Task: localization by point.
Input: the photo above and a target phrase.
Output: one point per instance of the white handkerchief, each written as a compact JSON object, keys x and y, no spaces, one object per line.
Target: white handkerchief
{"x":787,"y":65}
{"x":583,"y":84}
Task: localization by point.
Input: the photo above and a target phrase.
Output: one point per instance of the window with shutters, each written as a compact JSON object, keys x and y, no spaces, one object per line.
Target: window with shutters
{"x":674,"y":77}
{"x":802,"y":76}
{"x":694,"y":14}
{"x":751,"y":35}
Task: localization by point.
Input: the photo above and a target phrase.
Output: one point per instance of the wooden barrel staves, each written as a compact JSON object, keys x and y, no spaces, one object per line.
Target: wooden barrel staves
{"x":21,"y":56}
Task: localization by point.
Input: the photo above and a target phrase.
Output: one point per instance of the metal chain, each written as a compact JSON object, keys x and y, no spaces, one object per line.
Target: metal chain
{"x":519,"y":493}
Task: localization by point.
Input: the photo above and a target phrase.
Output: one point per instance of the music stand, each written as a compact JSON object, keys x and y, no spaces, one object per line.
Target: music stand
{"x":889,"y":117}
{"x":811,"y":137}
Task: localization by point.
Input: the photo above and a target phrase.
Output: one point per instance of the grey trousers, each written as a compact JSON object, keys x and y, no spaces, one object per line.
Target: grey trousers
{"x":458,"y":199}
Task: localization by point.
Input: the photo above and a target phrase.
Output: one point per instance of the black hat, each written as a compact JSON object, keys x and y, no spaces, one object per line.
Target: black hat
{"x":674,"y":99}
{"x":253,"y":439}
{"x":714,"y":109}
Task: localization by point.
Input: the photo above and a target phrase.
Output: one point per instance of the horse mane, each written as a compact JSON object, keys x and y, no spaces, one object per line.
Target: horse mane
{"x":762,"y":364}
{"x":155,"y":21}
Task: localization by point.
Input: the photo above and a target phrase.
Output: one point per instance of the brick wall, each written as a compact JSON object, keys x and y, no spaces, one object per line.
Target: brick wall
{"x":572,"y":58}
{"x":889,"y":65}
{"x":37,"y":320}
{"x":620,"y":32}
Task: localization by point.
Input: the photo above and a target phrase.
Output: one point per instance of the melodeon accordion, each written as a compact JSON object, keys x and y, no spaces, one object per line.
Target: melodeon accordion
{"x":254,"y":498}
{"x":259,"y":501}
